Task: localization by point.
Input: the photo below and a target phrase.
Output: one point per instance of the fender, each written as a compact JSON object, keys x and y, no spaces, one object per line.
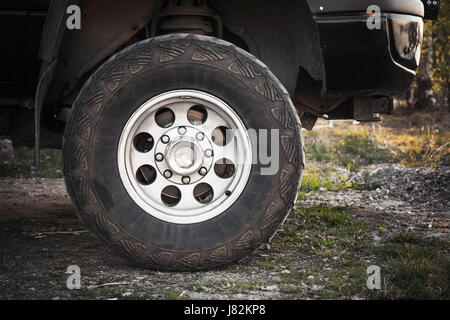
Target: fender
{"x":282,"y":34}
{"x":48,"y":53}
{"x":69,"y":55}
{"x":106,"y":27}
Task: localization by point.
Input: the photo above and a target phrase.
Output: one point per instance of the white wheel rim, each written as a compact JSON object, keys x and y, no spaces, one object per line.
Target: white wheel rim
{"x":185,"y":156}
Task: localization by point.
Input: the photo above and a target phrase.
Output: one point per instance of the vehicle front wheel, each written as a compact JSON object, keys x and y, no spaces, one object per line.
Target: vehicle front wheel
{"x":161,"y":153}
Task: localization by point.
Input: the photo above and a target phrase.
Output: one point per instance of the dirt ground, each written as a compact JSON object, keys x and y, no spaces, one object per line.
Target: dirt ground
{"x":317,"y":254}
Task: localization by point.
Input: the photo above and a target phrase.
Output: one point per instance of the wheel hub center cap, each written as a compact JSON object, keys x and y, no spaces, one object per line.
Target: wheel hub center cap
{"x":184,"y":156}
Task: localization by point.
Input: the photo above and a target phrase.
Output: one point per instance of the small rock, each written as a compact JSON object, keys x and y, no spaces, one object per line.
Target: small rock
{"x":316,"y":287}
{"x":270,"y":288}
{"x":276,"y":279}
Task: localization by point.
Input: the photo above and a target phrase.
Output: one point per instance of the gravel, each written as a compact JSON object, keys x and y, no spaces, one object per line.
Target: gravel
{"x":420,"y":194}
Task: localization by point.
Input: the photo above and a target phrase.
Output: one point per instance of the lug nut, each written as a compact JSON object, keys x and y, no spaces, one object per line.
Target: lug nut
{"x":165,"y":139}
{"x":182,"y":131}
{"x":159,"y":157}
{"x":208,"y":153}
{"x":168,"y":174}
{"x":200,"y":136}
{"x":203,"y":171}
{"x":185,"y":180}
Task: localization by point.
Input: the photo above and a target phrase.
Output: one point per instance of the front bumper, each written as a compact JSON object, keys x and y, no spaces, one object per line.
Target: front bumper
{"x":428,"y":9}
{"x":360,"y":61}
{"x":336,"y":7}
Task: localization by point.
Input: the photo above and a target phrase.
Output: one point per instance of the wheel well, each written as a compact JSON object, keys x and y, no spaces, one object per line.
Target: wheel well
{"x":275,"y":33}
{"x":283,"y":35}
{"x":106,"y":27}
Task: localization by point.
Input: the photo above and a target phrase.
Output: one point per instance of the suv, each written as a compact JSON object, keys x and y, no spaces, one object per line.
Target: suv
{"x":180,"y":120}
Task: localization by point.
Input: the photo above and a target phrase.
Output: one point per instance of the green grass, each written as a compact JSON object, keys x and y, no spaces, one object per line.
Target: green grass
{"x":20,"y":163}
{"x":419,"y":139}
{"x":322,"y":178}
{"x":349,"y":148}
{"x":412,"y":267}
{"x":234,"y":286}
{"x":269,"y":265}
{"x":171,"y":294}
{"x":416,"y":268}
{"x":329,"y":217}
{"x":358,"y":149}
{"x":315,"y":183}
{"x":320,"y":228}
{"x":195,"y":287}
{"x":242,"y":287}
{"x":327,"y":178}
{"x":294,"y":282}
{"x":347,"y":280}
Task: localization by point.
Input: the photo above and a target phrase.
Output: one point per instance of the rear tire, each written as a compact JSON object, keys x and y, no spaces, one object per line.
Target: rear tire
{"x":102,"y":153}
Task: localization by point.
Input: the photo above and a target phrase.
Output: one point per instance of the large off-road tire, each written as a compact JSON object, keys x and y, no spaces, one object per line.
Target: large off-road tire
{"x":142,"y":145}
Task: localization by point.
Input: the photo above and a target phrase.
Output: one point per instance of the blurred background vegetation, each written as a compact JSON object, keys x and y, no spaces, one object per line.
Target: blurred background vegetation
{"x":431,"y":87}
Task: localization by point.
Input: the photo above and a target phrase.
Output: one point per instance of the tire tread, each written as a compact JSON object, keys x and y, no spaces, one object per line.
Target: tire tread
{"x":116,"y":72}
